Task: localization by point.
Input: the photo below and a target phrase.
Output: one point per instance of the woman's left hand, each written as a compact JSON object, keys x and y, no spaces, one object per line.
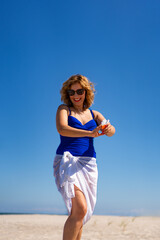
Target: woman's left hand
{"x":109,"y":130}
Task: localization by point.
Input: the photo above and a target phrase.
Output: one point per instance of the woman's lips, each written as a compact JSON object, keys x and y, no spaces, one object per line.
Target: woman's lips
{"x":77,"y":99}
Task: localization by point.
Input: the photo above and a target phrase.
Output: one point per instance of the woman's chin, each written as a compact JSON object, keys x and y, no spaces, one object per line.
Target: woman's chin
{"x":78,"y":104}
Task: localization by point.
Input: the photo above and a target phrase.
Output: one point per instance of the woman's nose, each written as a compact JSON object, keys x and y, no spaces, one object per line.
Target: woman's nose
{"x":76,"y":95}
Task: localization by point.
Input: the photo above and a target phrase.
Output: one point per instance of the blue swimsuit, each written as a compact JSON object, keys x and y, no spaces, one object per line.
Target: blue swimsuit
{"x":78,"y":146}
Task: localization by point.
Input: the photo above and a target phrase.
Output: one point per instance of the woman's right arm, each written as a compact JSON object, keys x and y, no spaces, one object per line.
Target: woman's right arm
{"x":67,"y":131}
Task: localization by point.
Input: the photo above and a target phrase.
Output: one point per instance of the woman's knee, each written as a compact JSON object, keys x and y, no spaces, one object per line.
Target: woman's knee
{"x":80,"y":212}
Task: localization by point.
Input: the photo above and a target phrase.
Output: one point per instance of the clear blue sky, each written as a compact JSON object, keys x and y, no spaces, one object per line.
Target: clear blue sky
{"x":116,"y":44}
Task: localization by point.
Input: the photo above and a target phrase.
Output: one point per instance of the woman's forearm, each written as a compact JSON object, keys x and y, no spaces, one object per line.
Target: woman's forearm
{"x":68,"y":131}
{"x":111,"y":132}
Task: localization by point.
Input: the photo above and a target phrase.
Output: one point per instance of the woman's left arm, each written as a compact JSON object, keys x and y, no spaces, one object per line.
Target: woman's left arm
{"x":110,"y":129}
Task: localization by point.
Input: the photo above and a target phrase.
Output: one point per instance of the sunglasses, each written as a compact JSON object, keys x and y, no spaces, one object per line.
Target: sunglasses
{"x":78,"y":91}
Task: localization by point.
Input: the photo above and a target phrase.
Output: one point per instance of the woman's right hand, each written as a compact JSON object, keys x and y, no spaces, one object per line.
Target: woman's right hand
{"x":95,"y":132}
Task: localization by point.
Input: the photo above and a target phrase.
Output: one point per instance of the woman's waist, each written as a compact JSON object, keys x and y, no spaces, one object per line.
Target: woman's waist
{"x":77,"y":149}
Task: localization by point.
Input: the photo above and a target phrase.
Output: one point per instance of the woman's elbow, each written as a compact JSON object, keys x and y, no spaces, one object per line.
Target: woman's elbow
{"x":61,"y":130}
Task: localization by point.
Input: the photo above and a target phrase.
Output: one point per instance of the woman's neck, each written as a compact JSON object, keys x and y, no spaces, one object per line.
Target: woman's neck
{"x":78,"y":109}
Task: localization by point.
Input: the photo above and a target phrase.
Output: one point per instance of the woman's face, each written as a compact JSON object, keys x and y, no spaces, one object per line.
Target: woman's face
{"x":77,"y":100}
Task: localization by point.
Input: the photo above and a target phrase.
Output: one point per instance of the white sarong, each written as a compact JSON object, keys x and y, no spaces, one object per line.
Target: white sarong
{"x":80,"y":171}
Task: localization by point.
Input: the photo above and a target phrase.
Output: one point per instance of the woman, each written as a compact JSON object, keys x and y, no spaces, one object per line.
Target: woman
{"x":75,"y":167}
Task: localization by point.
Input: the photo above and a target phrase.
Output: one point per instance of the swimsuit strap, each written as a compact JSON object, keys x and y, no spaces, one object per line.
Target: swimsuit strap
{"x":69,"y":111}
{"x":92,"y":113}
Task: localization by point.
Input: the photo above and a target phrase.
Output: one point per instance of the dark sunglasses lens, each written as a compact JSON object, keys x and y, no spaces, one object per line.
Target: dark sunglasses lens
{"x":71,"y":92}
{"x":80,"y":91}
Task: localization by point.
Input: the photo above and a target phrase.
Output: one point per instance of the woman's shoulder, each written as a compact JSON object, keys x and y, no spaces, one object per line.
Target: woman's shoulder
{"x":63,"y":107}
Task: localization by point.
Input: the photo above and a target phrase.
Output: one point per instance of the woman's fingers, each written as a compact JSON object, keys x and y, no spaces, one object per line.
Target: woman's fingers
{"x":107,"y":129}
{"x":95,"y":132}
{"x":99,"y":127}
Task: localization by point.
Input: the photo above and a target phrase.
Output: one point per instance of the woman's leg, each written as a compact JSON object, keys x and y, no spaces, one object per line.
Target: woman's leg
{"x":79,"y":234}
{"x":74,"y":223}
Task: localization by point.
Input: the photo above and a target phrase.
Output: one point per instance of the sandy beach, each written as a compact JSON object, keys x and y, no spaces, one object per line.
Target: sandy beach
{"x":47,"y":227}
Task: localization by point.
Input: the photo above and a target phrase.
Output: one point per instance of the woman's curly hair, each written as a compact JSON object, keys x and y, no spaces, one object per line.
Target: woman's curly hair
{"x":85,"y":83}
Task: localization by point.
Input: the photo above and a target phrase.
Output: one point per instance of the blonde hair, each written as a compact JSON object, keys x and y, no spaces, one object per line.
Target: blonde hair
{"x":85,"y":83}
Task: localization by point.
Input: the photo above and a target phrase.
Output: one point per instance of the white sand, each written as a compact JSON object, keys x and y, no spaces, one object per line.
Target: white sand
{"x":47,"y":227}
